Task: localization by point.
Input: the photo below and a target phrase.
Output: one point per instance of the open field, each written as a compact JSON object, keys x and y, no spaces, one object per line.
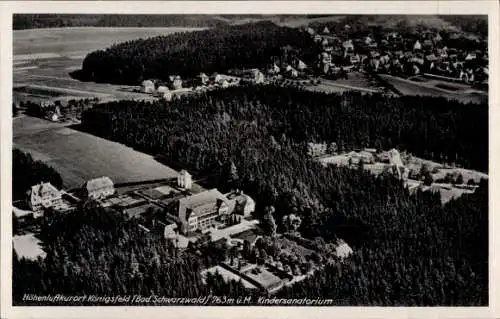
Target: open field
{"x":45,"y":57}
{"x":357,"y":81}
{"x":79,"y":156}
{"x":67,"y":40}
{"x":436,"y":88}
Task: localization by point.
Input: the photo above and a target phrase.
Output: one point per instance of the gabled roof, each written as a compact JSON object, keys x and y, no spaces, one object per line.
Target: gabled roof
{"x":98,"y":183}
{"x":162,"y":89}
{"x":43,"y":190}
{"x":202,"y":200}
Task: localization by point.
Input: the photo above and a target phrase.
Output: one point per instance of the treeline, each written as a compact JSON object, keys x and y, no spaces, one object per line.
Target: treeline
{"x":34,"y":21}
{"x":188,"y":54}
{"x":27,"y":172}
{"x":433,"y":128}
{"x":256,"y":138}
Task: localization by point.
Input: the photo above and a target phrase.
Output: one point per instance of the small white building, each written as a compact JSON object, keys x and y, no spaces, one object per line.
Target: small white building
{"x":224,"y":84}
{"x":177,"y":83}
{"x":417,"y":46}
{"x":293,"y":73}
{"x":301,"y":65}
{"x":54,"y":117}
{"x":98,"y":188}
{"x":43,"y":195}
{"x":258,"y":77}
{"x":184,"y":180}
{"x":203,"y":78}
{"x":274,"y":69}
{"x":471,"y":56}
{"x":147,"y":86}
{"x":343,"y":250}
{"x":216,"y":77}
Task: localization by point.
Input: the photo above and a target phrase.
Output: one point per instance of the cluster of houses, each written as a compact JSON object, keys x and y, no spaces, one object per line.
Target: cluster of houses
{"x":395,"y":54}
{"x":200,"y":83}
{"x":187,"y":211}
{"x":337,"y":55}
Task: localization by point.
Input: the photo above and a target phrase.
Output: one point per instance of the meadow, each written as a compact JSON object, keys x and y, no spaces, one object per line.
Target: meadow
{"x":79,"y":156}
{"x":435,"y":88}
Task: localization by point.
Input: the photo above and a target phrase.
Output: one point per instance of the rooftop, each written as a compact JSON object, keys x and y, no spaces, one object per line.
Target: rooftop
{"x":135,"y":212}
{"x":250,"y":235}
{"x":44,"y":190}
{"x":202,"y":199}
{"x":267,"y":279}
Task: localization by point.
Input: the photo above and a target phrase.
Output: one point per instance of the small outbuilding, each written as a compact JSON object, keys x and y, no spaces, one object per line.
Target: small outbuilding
{"x":147,"y":86}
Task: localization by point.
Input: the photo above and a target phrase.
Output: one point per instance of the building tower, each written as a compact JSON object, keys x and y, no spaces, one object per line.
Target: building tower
{"x":184,"y":180}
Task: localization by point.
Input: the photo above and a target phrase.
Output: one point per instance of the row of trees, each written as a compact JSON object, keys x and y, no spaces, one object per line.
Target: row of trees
{"x":189,"y":53}
{"x":434,"y":128}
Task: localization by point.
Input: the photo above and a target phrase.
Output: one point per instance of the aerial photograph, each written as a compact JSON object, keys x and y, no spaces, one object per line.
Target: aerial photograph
{"x":250,"y":160}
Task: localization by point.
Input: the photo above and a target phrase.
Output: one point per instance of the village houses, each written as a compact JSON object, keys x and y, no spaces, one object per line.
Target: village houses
{"x":98,"y":188}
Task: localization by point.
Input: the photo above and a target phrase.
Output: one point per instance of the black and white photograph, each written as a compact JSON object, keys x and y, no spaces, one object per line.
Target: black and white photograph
{"x":259,"y":160}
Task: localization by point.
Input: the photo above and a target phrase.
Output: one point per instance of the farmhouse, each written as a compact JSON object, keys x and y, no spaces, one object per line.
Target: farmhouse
{"x":98,"y":188}
{"x":44,"y":195}
{"x":200,"y":211}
